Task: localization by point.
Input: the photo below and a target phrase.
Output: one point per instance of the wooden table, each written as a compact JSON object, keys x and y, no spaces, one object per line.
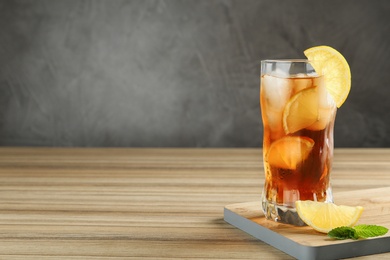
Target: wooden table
{"x":67,"y":203}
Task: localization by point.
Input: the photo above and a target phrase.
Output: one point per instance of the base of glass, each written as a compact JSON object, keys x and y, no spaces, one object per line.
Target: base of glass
{"x":281,"y":214}
{"x":286,"y":214}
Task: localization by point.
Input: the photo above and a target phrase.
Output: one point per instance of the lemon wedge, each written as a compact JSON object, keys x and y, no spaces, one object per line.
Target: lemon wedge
{"x":324,"y":217}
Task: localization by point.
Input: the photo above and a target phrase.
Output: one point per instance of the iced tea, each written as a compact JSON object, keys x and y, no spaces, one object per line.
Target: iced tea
{"x":298,"y":118}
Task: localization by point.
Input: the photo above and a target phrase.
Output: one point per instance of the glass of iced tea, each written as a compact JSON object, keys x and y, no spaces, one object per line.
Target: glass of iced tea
{"x":298,"y":117}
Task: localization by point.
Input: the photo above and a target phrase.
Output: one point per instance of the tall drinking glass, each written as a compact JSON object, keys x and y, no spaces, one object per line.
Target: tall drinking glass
{"x":298,"y":118}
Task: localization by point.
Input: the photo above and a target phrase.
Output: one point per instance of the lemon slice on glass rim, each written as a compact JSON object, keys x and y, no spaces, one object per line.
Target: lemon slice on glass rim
{"x":335,"y":69}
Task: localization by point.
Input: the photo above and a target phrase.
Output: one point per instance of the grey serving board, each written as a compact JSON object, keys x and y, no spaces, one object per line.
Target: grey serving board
{"x":306,"y":243}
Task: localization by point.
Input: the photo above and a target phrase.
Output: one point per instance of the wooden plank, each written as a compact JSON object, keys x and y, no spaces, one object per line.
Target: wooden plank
{"x":72,"y":203}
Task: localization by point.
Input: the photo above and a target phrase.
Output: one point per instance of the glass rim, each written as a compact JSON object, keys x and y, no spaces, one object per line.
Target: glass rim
{"x":284,"y":60}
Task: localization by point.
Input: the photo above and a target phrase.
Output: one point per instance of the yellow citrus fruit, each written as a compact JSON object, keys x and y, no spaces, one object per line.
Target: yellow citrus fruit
{"x":335,"y":69}
{"x":324,"y":217}
{"x":288,"y":152}
{"x":301,"y":110}
{"x":311,"y":108}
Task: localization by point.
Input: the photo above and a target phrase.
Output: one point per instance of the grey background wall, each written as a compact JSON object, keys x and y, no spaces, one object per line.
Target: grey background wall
{"x":177,"y":73}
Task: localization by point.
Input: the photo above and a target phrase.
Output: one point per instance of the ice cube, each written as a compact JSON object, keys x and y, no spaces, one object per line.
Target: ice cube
{"x":302,"y":83}
{"x":275,"y":95}
{"x":326,"y":109}
{"x":279,"y":73}
{"x":325,"y":99}
{"x":276,"y":91}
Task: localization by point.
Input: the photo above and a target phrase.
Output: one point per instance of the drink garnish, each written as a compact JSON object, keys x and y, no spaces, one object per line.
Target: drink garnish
{"x":335,"y":69}
{"x":358,"y":231}
{"x":311,"y":108}
{"x":324,"y":217}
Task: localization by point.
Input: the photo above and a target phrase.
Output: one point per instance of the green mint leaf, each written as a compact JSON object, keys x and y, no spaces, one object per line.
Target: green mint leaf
{"x":366,"y":231}
{"x":343,"y":233}
{"x":359,"y":231}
